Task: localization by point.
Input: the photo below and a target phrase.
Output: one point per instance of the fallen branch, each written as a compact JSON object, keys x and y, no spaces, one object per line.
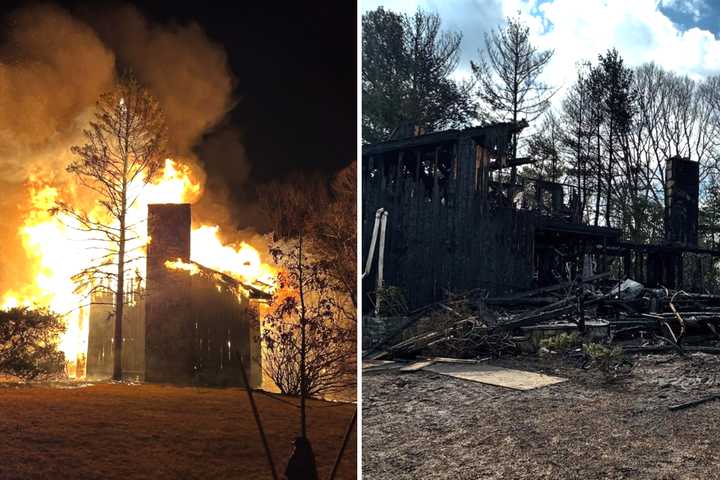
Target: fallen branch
{"x":678,"y":316}
{"x":693,"y":403}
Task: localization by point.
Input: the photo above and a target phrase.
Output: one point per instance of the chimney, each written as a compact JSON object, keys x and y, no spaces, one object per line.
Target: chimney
{"x":168,"y":321}
{"x":682,"y":184}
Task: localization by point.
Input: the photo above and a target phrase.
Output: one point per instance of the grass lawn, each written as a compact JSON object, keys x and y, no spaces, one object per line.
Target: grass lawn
{"x":121,"y":431}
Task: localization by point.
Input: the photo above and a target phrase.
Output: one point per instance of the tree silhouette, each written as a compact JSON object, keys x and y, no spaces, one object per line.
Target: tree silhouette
{"x":508,"y":76}
{"x":406,"y":67}
{"x":124,"y":149}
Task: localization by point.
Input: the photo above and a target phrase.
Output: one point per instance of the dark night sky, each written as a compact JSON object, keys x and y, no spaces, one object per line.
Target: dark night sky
{"x":296,"y":77}
{"x":295,"y":68}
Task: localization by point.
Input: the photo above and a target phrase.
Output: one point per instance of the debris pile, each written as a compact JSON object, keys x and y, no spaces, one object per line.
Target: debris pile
{"x":625,"y":313}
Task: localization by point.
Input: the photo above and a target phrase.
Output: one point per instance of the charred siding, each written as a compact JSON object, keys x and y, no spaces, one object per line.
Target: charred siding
{"x":444,"y":234}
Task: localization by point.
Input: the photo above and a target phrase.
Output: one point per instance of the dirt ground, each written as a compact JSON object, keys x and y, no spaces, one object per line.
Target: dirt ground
{"x":429,"y":426}
{"x":121,"y":431}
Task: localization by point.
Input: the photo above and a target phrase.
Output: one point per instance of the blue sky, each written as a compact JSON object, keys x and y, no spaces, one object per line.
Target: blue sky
{"x":692,"y":13}
{"x":680,"y":35}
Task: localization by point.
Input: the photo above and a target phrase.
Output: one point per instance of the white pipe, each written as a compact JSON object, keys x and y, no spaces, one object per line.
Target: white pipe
{"x":381,"y":250}
{"x":373,"y":240}
{"x":381,"y":260}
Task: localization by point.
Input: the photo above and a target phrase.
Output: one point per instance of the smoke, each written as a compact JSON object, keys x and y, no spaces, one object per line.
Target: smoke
{"x":53,"y":67}
{"x":185,"y":70}
{"x":190,"y":76}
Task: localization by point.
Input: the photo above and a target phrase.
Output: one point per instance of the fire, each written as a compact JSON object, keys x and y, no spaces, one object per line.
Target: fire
{"x":173,"y":185}
{"x":178,"y":264}
{"x":58,"y":249}
{"x":241,"y":261}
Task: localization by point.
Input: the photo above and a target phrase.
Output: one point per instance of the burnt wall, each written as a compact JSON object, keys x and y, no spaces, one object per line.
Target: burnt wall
{"x":168,"y":322}
{"x":443,"y":234}
{"x":224,"y":325}
{"x":182,"y":328}
{"x":101,"y":336}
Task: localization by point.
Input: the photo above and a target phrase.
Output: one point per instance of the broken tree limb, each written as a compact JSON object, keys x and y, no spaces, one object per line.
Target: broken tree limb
{"x":678,"y":316}
{"x":693,"y":403}
{"x":673,"y":339}
{"x":448,"y":309}
{"x":713,"y":329}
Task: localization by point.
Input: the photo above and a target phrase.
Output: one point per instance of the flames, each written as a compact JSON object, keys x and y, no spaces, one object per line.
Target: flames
{"x":58,"y":248}
{"x":241,"y":261}
{"x":178,"y":264}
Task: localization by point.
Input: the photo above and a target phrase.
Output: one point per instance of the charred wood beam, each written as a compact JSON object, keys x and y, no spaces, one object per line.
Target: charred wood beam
{"x":668,"y":348}
{"x":625,"y":245}
{"x":554,"y":311}
{"x":511,"y":163}
{"x":494,"y":131}
{"x":693,"y":403}
{"x":544,"y":290}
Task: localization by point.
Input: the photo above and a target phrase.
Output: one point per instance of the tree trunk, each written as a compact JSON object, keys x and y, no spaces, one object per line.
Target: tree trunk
{"x":119,"y":304}
{"x":303,"y":346}
{"x":608,"y":207}
{"x":599,"y":182}
{"x":120,"y":293}
{"x":516,"y":88}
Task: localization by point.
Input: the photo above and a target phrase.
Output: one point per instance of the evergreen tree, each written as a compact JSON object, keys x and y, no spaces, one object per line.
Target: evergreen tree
{"x":508,"y":76}
{"x":407,"y":63}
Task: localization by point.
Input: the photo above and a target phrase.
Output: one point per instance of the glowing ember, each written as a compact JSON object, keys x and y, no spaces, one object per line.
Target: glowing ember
{"x":58,"y":250}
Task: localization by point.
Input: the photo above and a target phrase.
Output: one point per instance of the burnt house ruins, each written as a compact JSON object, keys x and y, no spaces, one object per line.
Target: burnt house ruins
{"x":454,"y":224}
{"x":185,"y":324}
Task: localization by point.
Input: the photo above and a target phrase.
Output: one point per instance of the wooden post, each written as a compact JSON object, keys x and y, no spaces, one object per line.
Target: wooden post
{"x":266,"y":446}
{"x":348,"y":431}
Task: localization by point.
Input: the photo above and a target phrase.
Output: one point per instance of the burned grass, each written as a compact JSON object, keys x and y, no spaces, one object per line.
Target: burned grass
{"x":121,"y":431}
{"x":424,"y":425}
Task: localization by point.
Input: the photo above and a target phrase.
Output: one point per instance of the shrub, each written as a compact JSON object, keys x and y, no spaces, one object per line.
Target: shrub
{"x":392,"y":302}
{"x":610,"y":361}
{"x":561,"y":342}
{"x":28,"y":343}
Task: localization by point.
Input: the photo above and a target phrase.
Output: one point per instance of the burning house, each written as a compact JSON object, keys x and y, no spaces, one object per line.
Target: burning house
{"x":187,"y":323}
{"x":452,"y":222}
{"x":221,"y":278}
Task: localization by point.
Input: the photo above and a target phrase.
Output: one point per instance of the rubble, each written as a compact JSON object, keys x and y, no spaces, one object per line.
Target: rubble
{"x":599,"y":308}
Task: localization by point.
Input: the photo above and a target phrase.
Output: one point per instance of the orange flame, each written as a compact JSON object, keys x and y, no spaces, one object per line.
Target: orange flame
{"x":58,"y":249}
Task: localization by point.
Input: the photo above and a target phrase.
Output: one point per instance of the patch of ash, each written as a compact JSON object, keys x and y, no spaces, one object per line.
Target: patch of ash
{"x":425,"y":425}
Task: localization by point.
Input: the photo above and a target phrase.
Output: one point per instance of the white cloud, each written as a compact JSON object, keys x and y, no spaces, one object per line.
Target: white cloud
{"x":581,"y":30}
{"x":638,"y":29}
